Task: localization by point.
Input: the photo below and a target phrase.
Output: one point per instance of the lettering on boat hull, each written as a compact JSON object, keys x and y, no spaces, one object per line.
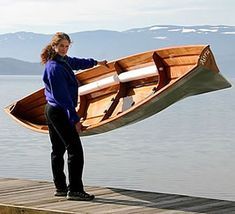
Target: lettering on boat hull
{"x":204,"y":57}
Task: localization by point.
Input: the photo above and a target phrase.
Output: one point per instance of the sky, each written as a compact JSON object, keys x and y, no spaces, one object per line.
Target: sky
{"x":49,"y":16}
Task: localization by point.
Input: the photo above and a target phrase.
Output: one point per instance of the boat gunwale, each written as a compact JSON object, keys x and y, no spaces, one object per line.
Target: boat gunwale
{"x":168,"y":86}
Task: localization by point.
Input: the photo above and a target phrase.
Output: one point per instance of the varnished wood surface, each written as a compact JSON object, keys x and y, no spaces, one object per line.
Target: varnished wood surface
{"x":33,"y":197}
{"x":108,"y":108}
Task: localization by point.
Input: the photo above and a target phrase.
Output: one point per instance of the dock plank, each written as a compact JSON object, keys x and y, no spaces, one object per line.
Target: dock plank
{"x":36,"y":197}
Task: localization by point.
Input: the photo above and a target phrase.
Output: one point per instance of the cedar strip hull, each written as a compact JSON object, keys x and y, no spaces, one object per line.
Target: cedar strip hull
{"x":182,"y":71}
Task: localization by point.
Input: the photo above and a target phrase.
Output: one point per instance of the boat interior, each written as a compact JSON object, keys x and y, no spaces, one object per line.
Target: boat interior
{"x":109,"y":92}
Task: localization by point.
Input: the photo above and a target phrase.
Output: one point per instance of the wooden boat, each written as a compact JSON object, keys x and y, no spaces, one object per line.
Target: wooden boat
{"x":131,"y":89}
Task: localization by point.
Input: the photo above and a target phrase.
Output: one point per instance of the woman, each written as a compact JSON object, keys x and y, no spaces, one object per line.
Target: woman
{"x":61,"y":91}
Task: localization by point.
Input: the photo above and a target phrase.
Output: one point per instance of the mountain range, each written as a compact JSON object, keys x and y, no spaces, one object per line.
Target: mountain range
{"x":20,"y":51}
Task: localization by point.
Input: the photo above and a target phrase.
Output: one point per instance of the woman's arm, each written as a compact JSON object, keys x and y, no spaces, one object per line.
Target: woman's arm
{"x":81,"y":63}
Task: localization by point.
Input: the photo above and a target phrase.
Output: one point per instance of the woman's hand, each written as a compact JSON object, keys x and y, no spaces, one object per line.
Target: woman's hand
{"x":102,"y":63}
{"x":78,"y":127}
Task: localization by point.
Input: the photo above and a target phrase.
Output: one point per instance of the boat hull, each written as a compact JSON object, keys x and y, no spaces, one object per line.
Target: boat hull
{"x":199,"y":81}
{"x":131,"y":89}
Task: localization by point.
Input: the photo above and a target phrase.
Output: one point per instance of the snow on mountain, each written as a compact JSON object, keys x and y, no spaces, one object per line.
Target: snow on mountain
{"x":185,"y":29}
{"x":188,"y":30}
{"x":175,"y":30}
{"x":231,"y":32}
{"x":208,"y":30}
{"x":160,"y":37}
{"x":157,"y":28}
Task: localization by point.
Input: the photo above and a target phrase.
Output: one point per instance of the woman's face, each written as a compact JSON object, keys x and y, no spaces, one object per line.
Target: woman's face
{"x":62,"y":48}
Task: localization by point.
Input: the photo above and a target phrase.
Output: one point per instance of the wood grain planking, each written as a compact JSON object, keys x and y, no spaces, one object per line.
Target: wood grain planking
{"x":179,"y":51}
{"x":181,"y":60}
{"x":37,"y":197}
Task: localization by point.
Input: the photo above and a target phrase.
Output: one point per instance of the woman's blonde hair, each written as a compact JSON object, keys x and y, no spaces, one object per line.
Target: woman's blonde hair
{"x":49,"y":52}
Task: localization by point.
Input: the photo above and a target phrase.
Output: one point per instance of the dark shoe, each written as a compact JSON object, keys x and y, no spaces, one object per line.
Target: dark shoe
{"x":80,"y":196}
{"x":60,"y":193}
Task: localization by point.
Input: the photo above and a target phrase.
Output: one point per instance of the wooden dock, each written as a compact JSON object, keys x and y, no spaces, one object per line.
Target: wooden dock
{"x":36,"y":197}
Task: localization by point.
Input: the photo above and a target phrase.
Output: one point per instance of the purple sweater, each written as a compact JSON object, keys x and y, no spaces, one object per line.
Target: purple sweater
{"x":61,"y":85}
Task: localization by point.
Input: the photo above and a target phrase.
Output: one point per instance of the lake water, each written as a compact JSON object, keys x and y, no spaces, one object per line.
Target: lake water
{"x":188,"y":148}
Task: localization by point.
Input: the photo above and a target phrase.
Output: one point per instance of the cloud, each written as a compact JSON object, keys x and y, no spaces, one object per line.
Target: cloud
{"x":75,"y":15}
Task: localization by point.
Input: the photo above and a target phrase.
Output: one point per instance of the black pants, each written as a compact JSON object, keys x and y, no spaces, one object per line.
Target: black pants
{"x":64,"y":137}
